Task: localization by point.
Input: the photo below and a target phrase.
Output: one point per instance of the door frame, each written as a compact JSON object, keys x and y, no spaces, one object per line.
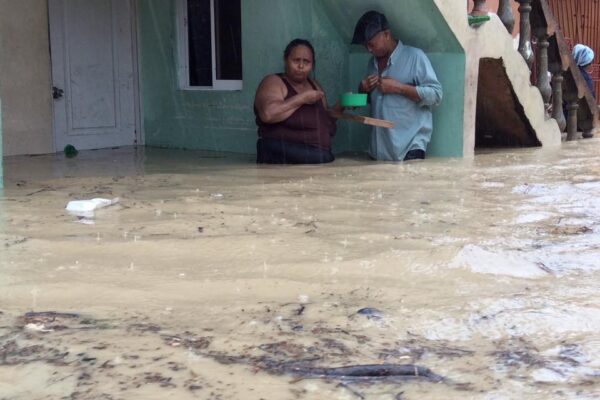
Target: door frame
{"x":135,"y":49}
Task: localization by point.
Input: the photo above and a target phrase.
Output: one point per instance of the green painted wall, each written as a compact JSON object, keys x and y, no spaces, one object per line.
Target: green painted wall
{"x":447,"y":138}
{"x":224,"y":121}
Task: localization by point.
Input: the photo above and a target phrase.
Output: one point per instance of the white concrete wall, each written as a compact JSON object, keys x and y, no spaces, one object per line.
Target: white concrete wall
{"x":25,"y":82}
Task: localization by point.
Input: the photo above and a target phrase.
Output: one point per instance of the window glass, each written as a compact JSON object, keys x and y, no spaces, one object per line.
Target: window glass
{"x":228,"y":39}
{"x":199,"y":42}
{"x":211,"y":57}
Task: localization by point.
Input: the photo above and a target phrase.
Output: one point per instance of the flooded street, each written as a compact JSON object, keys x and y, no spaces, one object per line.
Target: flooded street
{"x":214,"y":278}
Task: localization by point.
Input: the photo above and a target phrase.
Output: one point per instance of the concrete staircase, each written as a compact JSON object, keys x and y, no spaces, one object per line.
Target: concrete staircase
{"x":497,"y":84}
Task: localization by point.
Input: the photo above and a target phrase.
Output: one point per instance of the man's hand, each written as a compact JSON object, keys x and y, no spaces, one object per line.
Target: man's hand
{"x":369,"y":83}
{"x":388,"y":85}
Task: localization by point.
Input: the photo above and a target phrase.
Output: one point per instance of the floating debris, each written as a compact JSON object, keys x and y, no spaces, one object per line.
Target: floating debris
{"x":370,"y":313}
{"x":368,"y":372}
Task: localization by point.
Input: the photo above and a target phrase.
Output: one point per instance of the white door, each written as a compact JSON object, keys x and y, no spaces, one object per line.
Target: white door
{"x":93,"y":73}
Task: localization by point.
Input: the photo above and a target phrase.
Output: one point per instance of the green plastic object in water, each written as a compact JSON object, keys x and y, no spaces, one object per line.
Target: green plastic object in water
{"x":70,"y":151}
{"x":353,"y":100}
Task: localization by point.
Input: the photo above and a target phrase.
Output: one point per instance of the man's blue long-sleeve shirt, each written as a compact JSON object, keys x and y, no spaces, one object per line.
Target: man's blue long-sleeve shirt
{"x":413,"y":121}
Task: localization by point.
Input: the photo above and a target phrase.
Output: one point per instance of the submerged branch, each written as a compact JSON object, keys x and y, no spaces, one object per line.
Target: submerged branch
{"x":368,"y":371}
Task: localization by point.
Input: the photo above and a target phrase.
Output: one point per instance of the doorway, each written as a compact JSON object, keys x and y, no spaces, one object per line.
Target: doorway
{"x":94,"y":73}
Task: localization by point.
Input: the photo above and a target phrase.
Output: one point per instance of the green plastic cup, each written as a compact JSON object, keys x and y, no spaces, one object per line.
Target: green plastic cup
{"x":353,"y":100}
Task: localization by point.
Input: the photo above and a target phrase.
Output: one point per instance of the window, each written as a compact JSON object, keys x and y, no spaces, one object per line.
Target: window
{"x":210,"y":44}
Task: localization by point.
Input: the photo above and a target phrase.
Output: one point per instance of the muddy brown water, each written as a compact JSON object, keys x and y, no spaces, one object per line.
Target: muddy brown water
{"x":211,"y":275}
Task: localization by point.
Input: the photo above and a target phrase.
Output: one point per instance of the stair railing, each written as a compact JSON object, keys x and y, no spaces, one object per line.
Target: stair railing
{"x":554,"y":71}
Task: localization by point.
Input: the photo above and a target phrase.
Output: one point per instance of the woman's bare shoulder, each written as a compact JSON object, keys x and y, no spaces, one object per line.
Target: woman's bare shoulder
{"x":271,"y":86}
{"x":272,"y":80}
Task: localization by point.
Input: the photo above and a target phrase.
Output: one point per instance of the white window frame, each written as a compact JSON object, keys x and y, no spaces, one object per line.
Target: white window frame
{"x":183,"y":70}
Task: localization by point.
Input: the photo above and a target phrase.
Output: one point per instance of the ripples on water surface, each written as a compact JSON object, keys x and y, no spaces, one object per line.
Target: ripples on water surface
{"x":212,"y":276}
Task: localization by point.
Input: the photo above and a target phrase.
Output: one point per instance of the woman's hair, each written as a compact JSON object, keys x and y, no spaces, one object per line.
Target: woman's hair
{"x":298,"y":42}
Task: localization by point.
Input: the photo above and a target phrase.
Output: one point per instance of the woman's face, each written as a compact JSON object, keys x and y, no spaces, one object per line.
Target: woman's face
{"x":298,"y":64}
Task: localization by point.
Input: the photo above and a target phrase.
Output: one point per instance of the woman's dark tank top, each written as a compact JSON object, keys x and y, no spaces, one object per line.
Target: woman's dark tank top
{"x":310,"y":124}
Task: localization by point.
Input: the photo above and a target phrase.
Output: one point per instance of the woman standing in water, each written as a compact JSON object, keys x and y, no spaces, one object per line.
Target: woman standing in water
{"x":294,"y":125}
{"x":584,"y":57}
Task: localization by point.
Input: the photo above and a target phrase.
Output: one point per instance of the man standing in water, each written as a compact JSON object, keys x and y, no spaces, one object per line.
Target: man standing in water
{"x":403,"y":89}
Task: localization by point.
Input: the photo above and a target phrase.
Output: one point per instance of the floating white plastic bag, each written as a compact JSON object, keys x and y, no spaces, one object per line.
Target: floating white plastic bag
{"x":86,"y":208}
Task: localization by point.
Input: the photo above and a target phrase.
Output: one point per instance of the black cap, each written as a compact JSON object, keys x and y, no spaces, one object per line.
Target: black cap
{"x":369,"y":25}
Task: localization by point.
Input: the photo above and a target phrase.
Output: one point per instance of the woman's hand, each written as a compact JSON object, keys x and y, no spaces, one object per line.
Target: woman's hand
{"x":337,"y":107}
{"x":335,"y":110}
{"x":311,"y":96}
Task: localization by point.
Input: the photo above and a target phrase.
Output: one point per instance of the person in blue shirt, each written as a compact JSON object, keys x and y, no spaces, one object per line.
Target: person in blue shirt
{"x":403,"y":88}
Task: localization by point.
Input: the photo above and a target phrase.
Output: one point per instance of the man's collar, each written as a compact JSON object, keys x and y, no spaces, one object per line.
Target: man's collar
{"x":396,"y":53}
{"x":393,"y":56}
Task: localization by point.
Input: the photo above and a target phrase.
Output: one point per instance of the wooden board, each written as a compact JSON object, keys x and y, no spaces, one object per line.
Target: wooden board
{"x":363,"y":120}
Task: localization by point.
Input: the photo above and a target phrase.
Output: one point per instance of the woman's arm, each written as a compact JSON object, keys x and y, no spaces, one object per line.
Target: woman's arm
{"x":270,"y":102}
{"x":335,"y":109}
{"x":320,"y":89}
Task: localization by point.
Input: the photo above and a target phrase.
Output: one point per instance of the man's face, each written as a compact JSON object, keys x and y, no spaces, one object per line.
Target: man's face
{"x":378,"y":45}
